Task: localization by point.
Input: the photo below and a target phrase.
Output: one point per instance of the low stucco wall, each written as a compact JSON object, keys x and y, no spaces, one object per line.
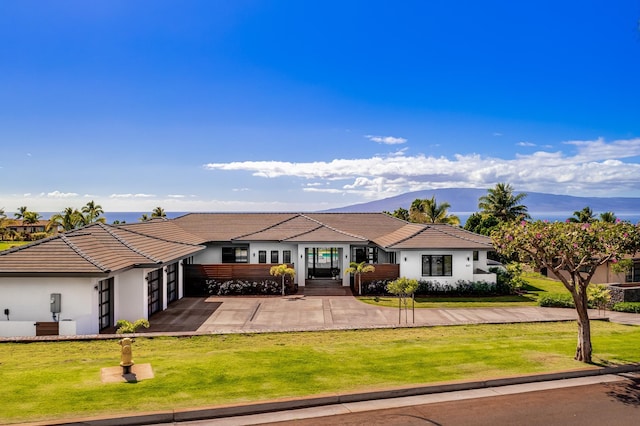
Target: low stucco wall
{"x":28,"y":328}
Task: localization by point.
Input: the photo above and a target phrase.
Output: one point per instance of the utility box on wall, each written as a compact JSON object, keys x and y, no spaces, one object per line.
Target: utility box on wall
{"x":55,"y":303}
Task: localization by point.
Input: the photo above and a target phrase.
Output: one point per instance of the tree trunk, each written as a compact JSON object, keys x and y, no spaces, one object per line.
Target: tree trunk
{"x":583,"y":350}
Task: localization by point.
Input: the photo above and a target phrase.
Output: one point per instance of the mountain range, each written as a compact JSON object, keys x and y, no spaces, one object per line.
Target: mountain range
{"x":464,"y":201}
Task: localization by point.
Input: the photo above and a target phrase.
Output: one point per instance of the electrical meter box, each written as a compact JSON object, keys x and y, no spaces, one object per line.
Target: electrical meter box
{"x":55,"y":303}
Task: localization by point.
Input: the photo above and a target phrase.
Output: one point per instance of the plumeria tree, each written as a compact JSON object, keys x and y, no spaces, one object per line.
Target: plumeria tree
{"x":357,"y":269}
{"x":573,"y":252}
{"x":282,"y":271}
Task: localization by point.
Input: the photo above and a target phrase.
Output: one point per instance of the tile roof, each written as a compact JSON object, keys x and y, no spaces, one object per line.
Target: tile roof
{"x":94,"y":249}
{"x":100,"y":248}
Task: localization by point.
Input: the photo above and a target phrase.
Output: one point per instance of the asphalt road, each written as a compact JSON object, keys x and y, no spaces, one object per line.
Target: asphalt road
{"x":616,"y":403}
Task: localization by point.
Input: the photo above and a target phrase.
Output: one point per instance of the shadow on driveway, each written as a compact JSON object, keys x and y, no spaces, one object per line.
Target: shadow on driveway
{"x":186,"y":314}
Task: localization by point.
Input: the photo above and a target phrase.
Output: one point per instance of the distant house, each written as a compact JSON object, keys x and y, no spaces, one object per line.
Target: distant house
{"x":103,"y":273}
{"x":22,"y":228}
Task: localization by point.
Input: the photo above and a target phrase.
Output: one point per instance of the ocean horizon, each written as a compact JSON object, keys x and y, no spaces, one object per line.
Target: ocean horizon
{"x":134,"y":217}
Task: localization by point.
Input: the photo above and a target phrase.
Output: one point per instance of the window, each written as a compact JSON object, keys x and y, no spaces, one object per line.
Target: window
{"x":633,"y":274}
{"x":172,"y":282}
{"x":105,"y":307}
{"x":286,"y":256}
{"x":154,"y":286}
{"x":437,"y":265}
{"x":274,"y":256}
{"x":235,"y":255}
{"x":475,"y":255}
{"x":262,"y":256}
{"x":392,"y":257}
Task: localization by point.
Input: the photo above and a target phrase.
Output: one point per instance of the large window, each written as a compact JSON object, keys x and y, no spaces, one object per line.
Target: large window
{"x":437,"y":265}
{"x":235,"y":255}
{"x":105,"y":303}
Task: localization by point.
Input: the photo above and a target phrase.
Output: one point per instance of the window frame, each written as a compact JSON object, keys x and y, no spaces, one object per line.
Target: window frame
{"x":434,"y":267}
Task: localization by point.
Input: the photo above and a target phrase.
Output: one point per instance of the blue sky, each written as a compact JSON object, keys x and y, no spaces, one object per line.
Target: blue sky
{"x":306,"y":105}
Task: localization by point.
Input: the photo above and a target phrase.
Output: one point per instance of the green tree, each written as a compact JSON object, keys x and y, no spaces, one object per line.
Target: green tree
{"x":91,"y":213}
{"x":429,"y":211}
{"x":585,"y":215}
{"x":282,"y":271}
{"x":481,"y":223}
{"x":158,"y":212}
{"x":3,"y":219}
{"x":572,"y":252}
{"x":503,"y":204}
{"x":31,"y":218}
{"x":21,"y":212}
{"x":144,"y":217}
{"x":404,"y":288}
{"x":357,"y":269}
{"x":608,"y":217}
{"x":400,"y":213}
{"x":68,"y":219}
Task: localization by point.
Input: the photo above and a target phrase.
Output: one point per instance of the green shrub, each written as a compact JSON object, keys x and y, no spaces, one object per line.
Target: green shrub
{"x":632,"y":307}
{"x":556,"y":300}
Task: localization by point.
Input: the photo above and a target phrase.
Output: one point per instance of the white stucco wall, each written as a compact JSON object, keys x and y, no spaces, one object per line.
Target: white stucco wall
{"x":462,"y":265}
{"x":211,"y":255}
{"x":28,"y":299}
{"x":131,"y":295}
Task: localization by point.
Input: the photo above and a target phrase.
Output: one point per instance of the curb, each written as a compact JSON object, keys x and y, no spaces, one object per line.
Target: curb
{"x":292,"y":404}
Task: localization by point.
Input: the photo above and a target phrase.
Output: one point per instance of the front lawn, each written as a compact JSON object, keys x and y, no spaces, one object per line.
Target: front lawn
{"x":51,"y":380}
{"x":5,"y":245}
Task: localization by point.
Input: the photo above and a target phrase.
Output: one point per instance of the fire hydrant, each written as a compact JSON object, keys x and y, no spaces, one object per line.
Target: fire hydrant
{"x":126,"y":358}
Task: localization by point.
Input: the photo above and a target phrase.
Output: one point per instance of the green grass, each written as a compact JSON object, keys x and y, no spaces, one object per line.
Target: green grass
{"x":48,"y":380}
{"x":4,"y":245}
{"x":537,"y":286}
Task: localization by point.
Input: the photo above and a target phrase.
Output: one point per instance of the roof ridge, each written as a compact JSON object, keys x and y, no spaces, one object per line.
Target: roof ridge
{"x":128,"y":245}
{"x":294,"y":215}
{"x":128,"y":229}
{"x":334,"y":229}
{"x":82,"y":254}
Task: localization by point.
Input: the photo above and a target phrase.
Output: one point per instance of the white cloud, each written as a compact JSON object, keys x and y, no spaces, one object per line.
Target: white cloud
{"x":58,"y":194}
{"x":240,"y":189}
{"x":131,"y":196}
{"x":596,"y":168}
{"x":387,"y":140}
{"x":523,"y":143}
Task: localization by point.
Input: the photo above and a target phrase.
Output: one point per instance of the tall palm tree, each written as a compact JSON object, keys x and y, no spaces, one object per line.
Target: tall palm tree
{"x":608,"y":217}
{"x":20,"y":214}
{"x":502,"y":203}
{"x":416,"y":210}
{"x":31,"y":218}
{"x":437,"y":213}
{"x":158,"y":212}
{"x":68,"y":219}
{"x":91,"y":213}
{"x":585,"y":215}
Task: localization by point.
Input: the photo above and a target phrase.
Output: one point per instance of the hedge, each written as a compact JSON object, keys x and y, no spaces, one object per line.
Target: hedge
{"x":631,"y":307}
{"x":556,"y":300}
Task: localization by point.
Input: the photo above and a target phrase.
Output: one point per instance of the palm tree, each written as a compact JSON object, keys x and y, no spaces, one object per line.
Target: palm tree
{"x":158,"y":212}
{"x":68,"y":219}
{"x":31,"y":218}
{"x":585,"y":215}
{"x":91,"y":213}
{"x":144,"y":217}
{"x":21,"y":212}
{"x":502,"y":203}
{"x":416,"y":211}
{"x":357,"y":269}
{"x":608,"y":217}
{"x":434,"y":213}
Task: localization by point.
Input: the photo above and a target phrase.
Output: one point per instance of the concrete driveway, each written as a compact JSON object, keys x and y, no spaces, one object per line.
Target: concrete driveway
{"x":296,"y":313}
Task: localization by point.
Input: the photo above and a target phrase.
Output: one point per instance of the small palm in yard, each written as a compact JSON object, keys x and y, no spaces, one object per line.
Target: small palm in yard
{"x":357,"y":269}
{"x":282,"y":271}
